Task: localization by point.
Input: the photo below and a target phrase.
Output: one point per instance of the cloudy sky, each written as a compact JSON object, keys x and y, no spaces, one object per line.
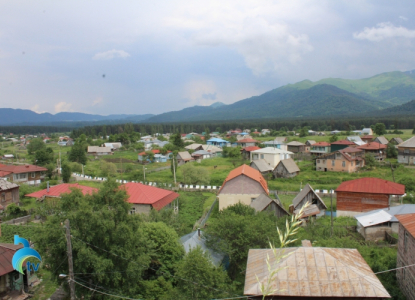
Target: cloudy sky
{"x":136,"y":57}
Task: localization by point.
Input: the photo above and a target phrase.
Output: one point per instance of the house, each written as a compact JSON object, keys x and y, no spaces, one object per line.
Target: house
{"x":276,"y":144}
{"x":366,"y":131}
{"x":158,"y":156}
{"x":265,"y":131}
{"x":374,"y":148}
{"x":308,"y":195}
{"x":218,"y":142}
{"x":113,"y":146}
{"x":265,"y":203}
{"x":201,"y":154}
{"x":286,"y":168}
{"x":365,"y":194}
{"x":215,"y":151}
{"x":312,"y":272}
{"x":335,"y":132}
{"x":30,"y":174}
{"x":9,"y":193}
{"x":246,"y":152}
{"x":262,"y":166}
{"x":271,"y":155}
{"x":296,"y":147}
{"x":346,"y":160}
{"x":183,"y":157}
{"x":367,"y":138}
{"x":310,"y":142}
{"x":8,"y":156}
{"x":320,"y":148}
{"x":381,"y":140}
{"x":243,"y":185}
{"x":246,"y":143}
{"x":406,"y":152}
{"x":58,"y":190}
{"x":356,"y":139}
{"x":339,"y":145}
{"x":95,"y":150}
{"x":396,"y":140}
{"x":194,"y":146}
{"x":406,"y":250}
{"x":372,"y":225}
{"x":144,"y":198}
{"x":196,"y":239}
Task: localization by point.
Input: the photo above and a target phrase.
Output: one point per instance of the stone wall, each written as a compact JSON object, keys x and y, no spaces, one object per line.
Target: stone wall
{"x":406,"y":256}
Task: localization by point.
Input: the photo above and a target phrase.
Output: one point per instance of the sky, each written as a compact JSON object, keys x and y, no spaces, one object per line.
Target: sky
{"x":138,"y":57}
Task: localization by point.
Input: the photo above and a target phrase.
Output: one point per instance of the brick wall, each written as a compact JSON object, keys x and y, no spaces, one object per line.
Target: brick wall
{"x":406,"y":256}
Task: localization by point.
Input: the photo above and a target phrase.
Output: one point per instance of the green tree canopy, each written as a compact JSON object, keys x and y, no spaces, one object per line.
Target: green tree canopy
{"x":194,"y":175}
{"x":78,"y":153}
{"x":380,"y":129}
{"x":66,"y":173}
{"x":176,"y":139}
{"x":391,"y":151}
{"x":35,"y":144}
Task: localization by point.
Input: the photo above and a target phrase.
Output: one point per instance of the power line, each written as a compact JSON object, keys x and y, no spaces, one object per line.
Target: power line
{"x":96,"y":286}
{"x":111,"y":295}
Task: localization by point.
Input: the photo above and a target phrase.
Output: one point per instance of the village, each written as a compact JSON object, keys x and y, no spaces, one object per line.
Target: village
{"x":352,"y":193}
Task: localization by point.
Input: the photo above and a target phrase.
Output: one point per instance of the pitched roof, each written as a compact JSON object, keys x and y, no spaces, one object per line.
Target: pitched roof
{"x":92,"y":149}
{"x":262,"y":165}
{"x":6,"y":255}
{"x":408,"y":222}
{"x":382,"y":140}
{"x":249,"y":172}
{"x":185,"y":155}
{"x":321,"y":144}
{"x":382,"y":215}
{"x":300,"y":196}
{"x":247,"y":141}
{"x":372,"y":185}
{"x":280,"y":139}
{"x":343,"y":142}
{"x":217,"y":140}
{"x":351,"y":150}
{"x":313,"y":272}
{"x":372,"y":146}
{"x":410,"y":143}
{"x":155,"y":151}
{"x":290,"y":165}
{"x":201,"y":152}
{"x":263,"y":201}
{"x":64,"y":188}
{"x":21,"y":169}
{"x":295,"y":143}
{"x":250,"y":148}
{"x":367,"y":137}
{"x":354,"y":138}
{"x":212,"y":148}
{"x":193,"y":146}
{"x":7,"y":185}
{"x":397,"y":140}
{"x":310,"y":142}
{"x":311,"y":210}
{"x":144,"y":194}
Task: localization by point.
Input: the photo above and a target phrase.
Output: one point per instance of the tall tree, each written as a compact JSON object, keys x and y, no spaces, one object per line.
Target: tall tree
{"x":66,"y":173}
{"x":36,"y":144}
{"x":380,"y":129}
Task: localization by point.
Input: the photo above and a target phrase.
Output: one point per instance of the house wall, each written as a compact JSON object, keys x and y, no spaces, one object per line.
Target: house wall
{"x":276,"y":210}
{"x":310,"y":198}
{"x":406,"y":277}
{"x":28,"y":177}
{"x":271,"y":159}
{"x":142,"y":208}
{"x":375,"y":233}
{"x":9,"y":196}
{"x":360,"y":202}
{"x":226,"y":200}
{"x":406,"y":155}
{"x":3,"y":283}
{"x":326,"y":163}
{"x":296,"y":149}
{"x":281,"y":172}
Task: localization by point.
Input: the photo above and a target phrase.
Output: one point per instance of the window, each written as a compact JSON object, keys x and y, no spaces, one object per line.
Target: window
{"x":33,"y":174}
{"x":332,"y":163}
{"x":132,"y":211}
{"x":405,"y":241}
{"x":252,"y":199}
{"x":3,"y":197}
{"x":343,"y":164}
{"x":318,"y":161}
{"x":262,"y":156}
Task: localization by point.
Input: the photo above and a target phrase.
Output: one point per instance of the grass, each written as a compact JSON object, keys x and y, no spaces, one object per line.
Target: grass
{"x":47,"y":286}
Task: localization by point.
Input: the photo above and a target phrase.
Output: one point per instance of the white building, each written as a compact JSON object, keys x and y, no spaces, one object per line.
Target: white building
{"x":271,"y":155}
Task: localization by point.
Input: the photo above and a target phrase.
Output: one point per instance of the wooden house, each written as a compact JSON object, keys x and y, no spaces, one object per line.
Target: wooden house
{"x":264,"y":203}
{"x":9,"y":193}
{"x":406,"y":152}
{"x":381,"y":140}
{"x":30,"y":174}
{"x":183,"y":158}
{"x":246,"y":152}
{"x":245,"y":142}
{"x":296,"y":147}
{"x":320,"y":148}
{"x":308,"y":195}
{"x":95,"y":150}
{"x":396,"y":141}
{"x":286,"y":168}
{"x":365,"y":194}
{"x":375,"y":149}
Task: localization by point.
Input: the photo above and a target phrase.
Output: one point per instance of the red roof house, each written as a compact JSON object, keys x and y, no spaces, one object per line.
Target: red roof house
{"x":144,"y":197}
{"x":65,"y":188}
{"x":365,"y":194}
{"x":376,"y":149}
{"x":246,"y":152}
{"x":6,"y":255}
{"x":22,"y":173}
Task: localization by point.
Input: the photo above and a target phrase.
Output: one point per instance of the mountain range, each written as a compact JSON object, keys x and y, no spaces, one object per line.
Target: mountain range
{"x":391,"y":93}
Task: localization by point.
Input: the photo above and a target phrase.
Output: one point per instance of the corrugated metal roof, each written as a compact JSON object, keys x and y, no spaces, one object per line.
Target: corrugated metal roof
{"x":250,"y":148}
{"x":295,"y":143}
{"x":382,"y":140}
{"x":408,"y":221}
{"x":262,"y":165}
{"x":193,"y":146}
{"x":372,"y":186}
{"x":96,"y":149}
{"x":396,"y":140}
{"x":303,"y":193}
{"x":185,"y":155}
{"x":64,"y":188}
{"x":7,"y":185}
{"x":343,"y":142}
{"x":321,"y":144}
{"x":314,"y":272}
{"x":391,"y":211}
{"x":6,"y":254}
{"x":374,"y":218}
{"x":372,"y":146}
{"x":290,"y":165}
{"x":410,"y":143}
{"x":249,"y":172}
{"x":21,"y":169}
{"x":247,"y":141}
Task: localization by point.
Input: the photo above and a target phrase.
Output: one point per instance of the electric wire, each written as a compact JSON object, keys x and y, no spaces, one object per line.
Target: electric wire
{"x":111,"y":295}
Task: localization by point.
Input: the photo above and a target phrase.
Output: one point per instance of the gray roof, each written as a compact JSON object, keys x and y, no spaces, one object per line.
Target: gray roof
{"x":281,"y":139}
{"x":312,"y":210}
{"x":201,"y":152}
{"x":410,"y":143}
{"x":273,"y":143}
{"x":382,"y":140}
{"x":6,"y":185}
{"x":295,"y":143}
{"x":397,"y":140}
{"x":193,"y":146}
{"x":262,"y":165}
{"x":303,"y":193}
{"x":354,"y":138}
{"x":185,"y":155}
{"x":377,"y":218}
{"x":192,"y":240}
{"x":290,"y":165}
{"x":310,"y":142}
{"x":262,"y":202}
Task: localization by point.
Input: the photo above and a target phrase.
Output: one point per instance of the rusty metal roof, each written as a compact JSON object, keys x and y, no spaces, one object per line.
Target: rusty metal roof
{"x":407,"y":221}
{"x":314,"y":272}
{"x":6,"y":254}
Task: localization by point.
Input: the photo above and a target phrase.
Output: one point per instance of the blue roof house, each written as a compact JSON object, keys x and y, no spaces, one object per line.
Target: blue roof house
{"x":218,"y":142}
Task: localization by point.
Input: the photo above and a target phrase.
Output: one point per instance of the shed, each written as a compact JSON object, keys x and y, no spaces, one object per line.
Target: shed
{"x":286,"y":168}
{"x":9,"y":193}
{"x":381,"y":140}
{"x":262,"y":166}
{"x":95,"y":150}
{"x":183,"y":157}
{"x":264,"y":202}
{"x":307,"y":194}
{"x":396,"y":140}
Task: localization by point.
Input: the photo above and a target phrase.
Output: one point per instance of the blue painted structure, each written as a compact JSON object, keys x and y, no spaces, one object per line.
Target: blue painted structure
{"x":218,"y":142}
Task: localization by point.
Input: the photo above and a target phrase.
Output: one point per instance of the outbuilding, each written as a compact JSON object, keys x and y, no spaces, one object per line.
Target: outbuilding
{"x":286,"y":168}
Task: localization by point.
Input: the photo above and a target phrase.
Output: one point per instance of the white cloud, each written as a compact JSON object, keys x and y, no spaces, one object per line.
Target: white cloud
{"x":403,"y":18}
{"x":107,"y":55}
{"x":63,"y":106}
{"x":98,"y":100}
{"x":35,"y":108}
{"x":383,"y":31}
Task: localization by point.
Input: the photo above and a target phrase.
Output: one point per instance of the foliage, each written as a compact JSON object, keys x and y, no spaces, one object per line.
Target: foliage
{"x":15,"y":211}
{"x":36,"y":144}
{"x":391,"y":151}
{"x":176,"y":139}
{"x":333,"y":138}
{"x":370,"y":161}
{"x":108,"y":169}
{"x":212,"y":282}
{"x":380,"y":129}
{"x":195,"y":175}
{"x":409,"y":182}
{"x":233,"y":152}
{"x":304,"y":132}
{"x":78,"y":153}
{"x":44,"y":156}
{"x":66,"y":173}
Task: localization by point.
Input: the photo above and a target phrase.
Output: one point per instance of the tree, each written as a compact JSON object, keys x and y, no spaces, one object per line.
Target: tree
{"x":207,"y":134}
{"x":413,"y":130}
{"x":177,"y":140}
{"x":36,"y":144}
{"x":195,"y":175}
{"x":408,"y":182}
{"x":78,"y":153}
{"x":44,"y":157}
{"x":108,"y":169}
{"x":380,"y":129}
{"x":303,"y":132}
{"x":233,"y":152}
{"x":391,"y":151}
{"x":370,"y":161}
{"x":333,"y":138}
{"x":213,"y":282}
{"x":66,"y":173}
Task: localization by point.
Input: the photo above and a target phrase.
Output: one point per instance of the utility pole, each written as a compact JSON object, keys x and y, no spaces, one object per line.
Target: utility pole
{"x":174,"y":171}
{"x":331,"y":208}
{"x":70,"y":262}
{"x":144,"y":172}
{"x":393,"y":174}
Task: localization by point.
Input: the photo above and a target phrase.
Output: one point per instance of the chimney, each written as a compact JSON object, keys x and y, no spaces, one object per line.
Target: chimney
{"x":306,"y":243}
{"x":291,"y":209}
{"x":198,"y":232}
{"x":47,"y":186}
